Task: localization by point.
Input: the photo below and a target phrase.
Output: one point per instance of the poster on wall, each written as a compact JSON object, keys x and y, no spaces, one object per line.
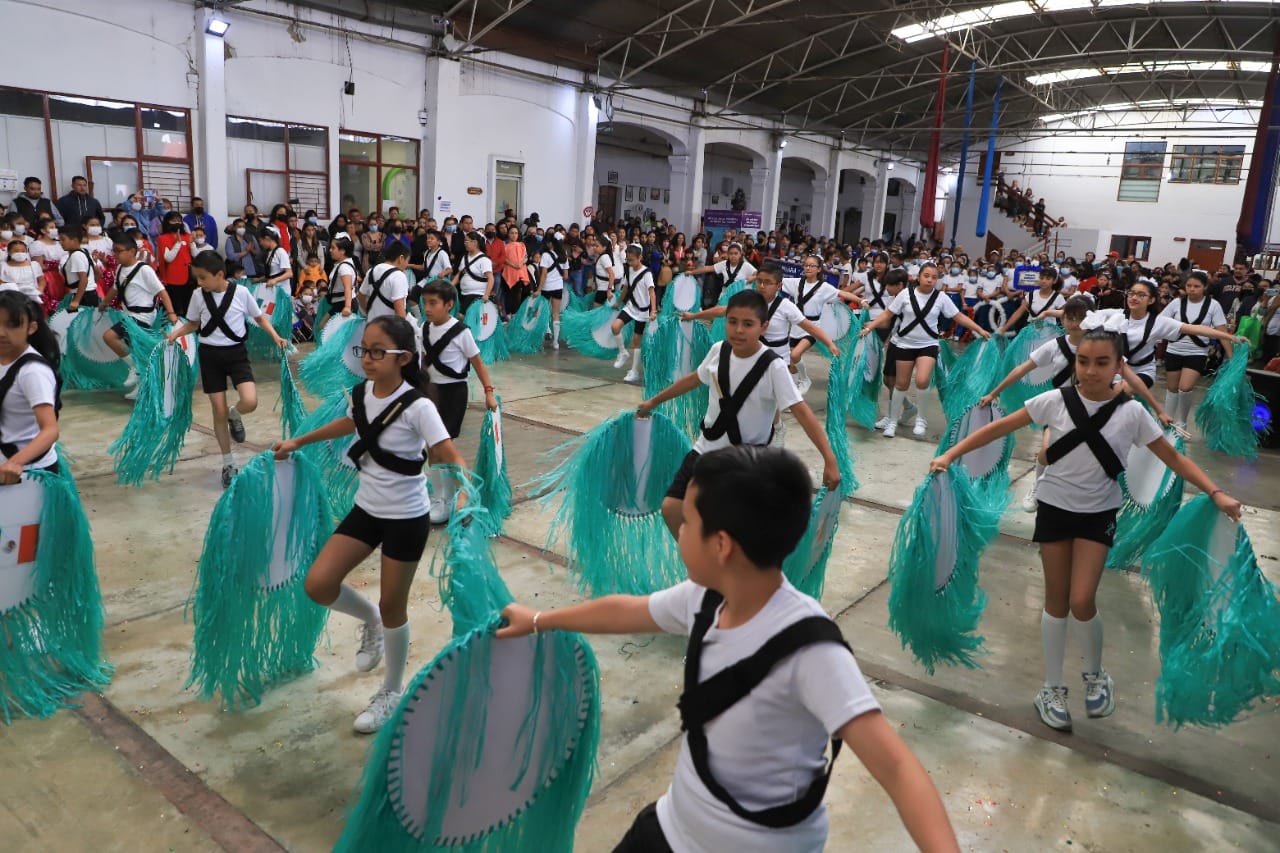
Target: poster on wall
{"x":629,"y":194}
{"x":718,"y":221}
{"x":613,"y":178}
{"x":666,"y":196}
{"x":444,"y":207}
{"x":653,"y":193}
{"x":644,"y":195}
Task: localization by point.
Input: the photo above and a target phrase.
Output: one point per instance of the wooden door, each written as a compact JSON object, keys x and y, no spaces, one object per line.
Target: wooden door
{"x":607,"y":203}
{"x":1207,"y":254}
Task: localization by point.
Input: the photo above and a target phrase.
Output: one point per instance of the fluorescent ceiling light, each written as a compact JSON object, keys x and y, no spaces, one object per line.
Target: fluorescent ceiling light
{"x":1154,"y":105}
{"x":982,"y":16}
{"x":217,"y":27}
{"x":1146,"y":68}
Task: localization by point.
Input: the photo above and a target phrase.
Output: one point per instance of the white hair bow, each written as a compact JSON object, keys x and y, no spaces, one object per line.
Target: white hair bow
{"x":1107,"y":319}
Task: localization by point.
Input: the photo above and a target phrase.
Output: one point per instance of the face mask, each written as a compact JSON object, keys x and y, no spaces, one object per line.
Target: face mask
{"x":955,"y":270}
{"x":1060,"y":259}
{"x":199,"y":241}
{"x":450,"y":228}
{"x":773,"y":245}
{"x":973,"y":279}
{"x":6,"y":235}
{"x":141,"y":243}
{"x":163,"y":208}
{"x":306,"y":299}
{"x":373,"y":229}
{"x":991,"y":273}
{"x":19,"y":230}
{"x":130,"y":227}
{"x":490,"y":234}
{"x":135,"y":206}
{"x":313,"y":220}
{"x":19,"y":257}
{"x":198,"y":211}
{"x":95,"y":230}
{"x":559,"y":236}
{"x":239,"y":232}
{"x":52,"y":233}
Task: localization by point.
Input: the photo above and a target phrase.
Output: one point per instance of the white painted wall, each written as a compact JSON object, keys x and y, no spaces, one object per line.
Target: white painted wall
{"x":795,"y":192}
{"x":1078,"y":174}
{"x":635,"y":170}
{"x":723,"y":165}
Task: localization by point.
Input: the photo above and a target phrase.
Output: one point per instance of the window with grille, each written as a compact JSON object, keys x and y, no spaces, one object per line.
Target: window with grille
{"x":1206,"y":164}
{"x":1140,"y":172}
{"x":270,"y":162}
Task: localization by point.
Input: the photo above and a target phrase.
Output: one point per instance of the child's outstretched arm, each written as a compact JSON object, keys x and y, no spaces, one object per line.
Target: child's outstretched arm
{"x":989,"y":433}
{"x":613,"y":614}
{"x":904,"y":779}
{"x":334,"y":429}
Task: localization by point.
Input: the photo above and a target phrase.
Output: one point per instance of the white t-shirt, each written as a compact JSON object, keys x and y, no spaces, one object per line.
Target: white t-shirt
{"x":639,"y":284}
{"x":784,"y":322}
{"x":1183,"y":345}
{"x":472,"y":272}
{"x":869,"y":294}
{"x":815,"y":296}
{"x":1036,"y":304}
{"x":605,"y":266}
{"x":919,"y":337}
{"x":41,"y":251}
{"x":1049,"y":355}
{"x":34,"y":386}
{"x":98,"y":245}
{"x":1077,"y":481}
{"x":767,"y":748}
{"x":337,"y":290}
{"x":971,"y":287}
{"x":386,"y":494}
{"x":276,"y":264}
{"x":952,"y":282}
{"x":77,"y":262}
{"x":774,"y":393}
{"x":141,"y":292}
{"x":1141,"y":360}
{"x":242,"y":309}
{"x":24,"y":278}
{"x":859,"y":278}
{"x":455,"y":355}
{"x":554,"y":281}
{"x":730,"y":275}
{"x":435,"y":263}
{"x":197,"y":248}
{"x":990,"y":286}
{"x":394,"y":287}
{"x":1069,"y":283}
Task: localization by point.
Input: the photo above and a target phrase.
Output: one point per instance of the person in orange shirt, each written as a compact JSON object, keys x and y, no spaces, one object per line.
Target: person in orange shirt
{"x":173,"y":249}
{"x":515,"y":271}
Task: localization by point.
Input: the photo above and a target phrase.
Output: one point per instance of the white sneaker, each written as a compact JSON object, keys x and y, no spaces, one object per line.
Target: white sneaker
{"x":381,"y":707}
{"x":440,"y":510}
{"x":1029,"y":502}
{"x":890,"y":429}
{"x":1100,"y":694}
{"x":555,"y":343}
{"x":131,"y":381}
{"x":803,"y":382}
{"x":909,"y":411}
{"x":132,"y":395}
{"x":632,"y":377}
{"x":1051,"y":702}
{"x":882,"y":423}
{"x":623,"y":358}
{"x":921,"y":427}
{"x":370,"y":652}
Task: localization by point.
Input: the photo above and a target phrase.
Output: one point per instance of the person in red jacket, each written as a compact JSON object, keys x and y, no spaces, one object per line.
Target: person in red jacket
{"x":173,"y":253}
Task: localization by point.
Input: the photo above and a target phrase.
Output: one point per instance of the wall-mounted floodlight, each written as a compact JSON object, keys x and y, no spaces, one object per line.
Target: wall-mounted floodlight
{"x":217,"y":27}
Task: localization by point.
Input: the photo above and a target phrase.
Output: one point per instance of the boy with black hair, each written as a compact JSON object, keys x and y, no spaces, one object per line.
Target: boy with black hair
{"x":138,"y":287}
{"x":449,"y":352}
{"x":793,"y":685}
{"x":750,"y":385}
{"x":386,"y":288}
{"x":221,"y":316}
{"x":78,"y":269}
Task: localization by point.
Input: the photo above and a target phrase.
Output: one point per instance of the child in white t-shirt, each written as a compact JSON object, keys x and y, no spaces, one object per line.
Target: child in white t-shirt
{"x":474,"y":276}
{"x":1078,"y":498}
{"x":744,"y":511}
{"x":138,"y":287}
{"x":638,"y":306}
{"x":29,"y":357}
{"x":385,"y":290}
{"x":279,"y":272}
{"x":390,"y":508}
{"x":19,"y":272}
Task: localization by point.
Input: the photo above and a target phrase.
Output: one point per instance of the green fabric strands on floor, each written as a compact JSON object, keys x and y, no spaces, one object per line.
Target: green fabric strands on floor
{"x":1225,"y":415}
{"x":51,"y":650}
{"x":1219,"y":619}
{"x":528,"y":326}
{"x":339,"y":476}
{"x":841,"y":383}
{"x":675,"y":349}
{"x":867,"y":370}
{"x":260,"y":344}
{"x":935,"y":602}
{"x":1143,"y":518}
{"x":1018,"y":351}
{"x":494,"y":487}
{"x":439,"y":783}
{"x":611,"y":485}
{"x":153,"y":438}
{"x":493,"y":348}
{"x":588,"y":331}
{"x":292,"y":410}
{"x":806,"y":566}
{"x":324,"y":372}
{"x":718,"y":324}
{"x":255,"y":627}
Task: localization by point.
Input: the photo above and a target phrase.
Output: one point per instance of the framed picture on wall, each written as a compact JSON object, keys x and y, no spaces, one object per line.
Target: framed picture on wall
{"x":644,"y":194}
{"x":655,"y":193}
{"x":715,"y":199}
{"x":666,"y":196}
{"x":628,"y":193}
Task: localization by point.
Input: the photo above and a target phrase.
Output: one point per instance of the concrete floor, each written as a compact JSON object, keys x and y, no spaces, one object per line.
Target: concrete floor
{"x":147,"y":767}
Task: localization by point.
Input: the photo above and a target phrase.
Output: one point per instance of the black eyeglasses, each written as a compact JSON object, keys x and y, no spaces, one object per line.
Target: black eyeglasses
{"x":375,"y":353}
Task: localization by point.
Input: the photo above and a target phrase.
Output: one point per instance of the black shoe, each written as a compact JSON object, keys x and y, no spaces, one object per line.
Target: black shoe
{"x":235,"y":424}
{"x":229,"y":472}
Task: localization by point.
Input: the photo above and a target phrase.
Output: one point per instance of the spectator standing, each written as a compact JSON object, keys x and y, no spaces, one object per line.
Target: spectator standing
{"x":78,"y":206}
{"x":198,"y":218}
{"x":32,"y":203}
{"x":174,"y":254}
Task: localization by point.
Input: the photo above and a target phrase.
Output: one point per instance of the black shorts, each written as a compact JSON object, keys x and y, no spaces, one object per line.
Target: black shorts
{"x":897,"y":353}
{"x":402,"y":539}
{"x":883,"y":334}
{"x":810,"y":338}
{"x":219,"y":364}
{"x":602,"y":296}
{"x":553,"y":295}
{"x":627,"y":318}
{"x":335,"y":308}
{"x":451,"y":402}
{"x":90,"y":299}
{"x":465,"y":301}
{"x":1198,"y":363}
{"x":680,"y":484}
{"x":1147,"y":380}
{"x":645,"y":834}
{"x":123,"y":333}
{"x":1059,"y":525}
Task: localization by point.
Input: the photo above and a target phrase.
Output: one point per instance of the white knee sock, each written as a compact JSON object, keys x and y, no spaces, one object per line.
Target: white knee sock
{"x":922,"y":397}
{"x":621,"y":344}
{"x":354,"y":604}
{"x":1090,"y":634}
{"x":228,"y":459}
{"x":1184,"y":408}
{"x":555,"y":331}
{"x":896,"y":400}
{"x":128,"y":360}
{"x":1171,"y":402}
{"x":1039,"y":471}
{"x":395,"y":652}
{"x":442,"y":483}
{"x":1053,"y":638}
{"x":635,"y":360}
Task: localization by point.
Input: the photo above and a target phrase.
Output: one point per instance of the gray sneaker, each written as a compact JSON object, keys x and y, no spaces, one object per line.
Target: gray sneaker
{"x":235,"y":424}
{"x":1099,"y":695}
{"x":1051,"y":702}
{"x":228,"y":474}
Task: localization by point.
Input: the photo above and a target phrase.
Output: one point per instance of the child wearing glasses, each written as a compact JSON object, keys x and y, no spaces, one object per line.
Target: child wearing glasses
{"x":394,"y":422}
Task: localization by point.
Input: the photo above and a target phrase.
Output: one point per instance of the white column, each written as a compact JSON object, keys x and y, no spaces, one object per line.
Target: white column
{"x":826,"y":198}
{"x":587,"y":116}
{"x":210,"y":151}
{"x":765,"y":179}
{"x":909,"y":221}
{"x":873,"y":220}
{"x":686,"y":184}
